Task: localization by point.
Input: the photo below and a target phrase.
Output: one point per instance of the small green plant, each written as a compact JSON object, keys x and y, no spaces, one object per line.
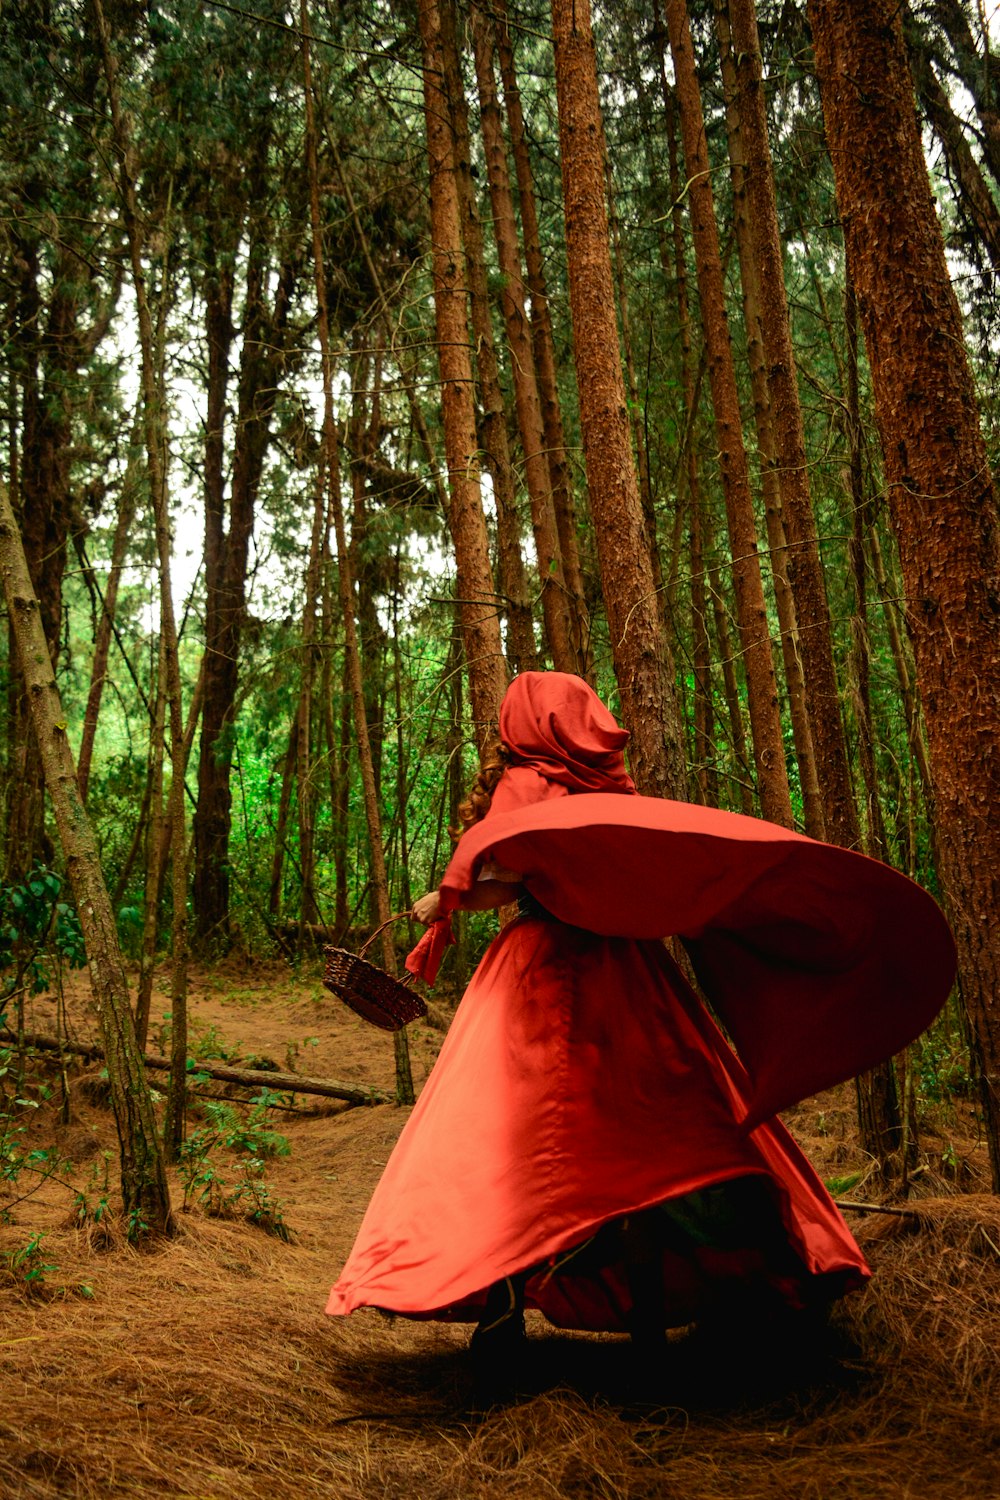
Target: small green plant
{"x":91,"y":1204}
{"x":27,"y":1268}
{"x":18,"y":1159}
{"x":208,"y":1043}
{"x":37,"y":932}
{"x":248,"y":1141}
{"x":130,"y":920}
{"x":292,"y":1051}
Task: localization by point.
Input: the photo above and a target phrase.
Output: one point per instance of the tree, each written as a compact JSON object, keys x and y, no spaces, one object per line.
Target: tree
{"x":643,"y":665}
{"x":751,"y":611}
{"x":474,"y":581}
{"x":145,"y":1195}
{"x":942,"y":498}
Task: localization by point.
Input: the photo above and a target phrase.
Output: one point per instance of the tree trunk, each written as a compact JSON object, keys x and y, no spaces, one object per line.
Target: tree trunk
{"x":805,"y":569}
{"x":543,"y":344}
{"x":641,"y":655}
{"x":493,"y":421}
{"x":979,"y":73}
{"x":741,"y":135}
{"x":941,"y":495}
{"x":144,"y":1184}
{"x":404,"y":1080}
{"x":705,"y":770}
{"x":513,"y":299}
{"x":263,"y":359}
{"x":309,"y":912}
{"x":474,"y":582}
{"x":156,"y":830}
{"x":971,"y":189}
{"x":154,"y":428}
{"x":102,"y":639}
{"x":751,"y":611}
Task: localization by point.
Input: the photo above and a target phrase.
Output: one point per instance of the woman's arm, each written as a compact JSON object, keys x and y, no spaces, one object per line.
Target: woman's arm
{"x":484,"y":896}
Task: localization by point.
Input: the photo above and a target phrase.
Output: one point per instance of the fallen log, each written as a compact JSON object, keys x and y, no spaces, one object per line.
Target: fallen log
{"x":251,"y":1078}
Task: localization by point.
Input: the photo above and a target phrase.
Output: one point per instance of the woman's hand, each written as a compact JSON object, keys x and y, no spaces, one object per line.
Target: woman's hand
{"x":427,"y":909}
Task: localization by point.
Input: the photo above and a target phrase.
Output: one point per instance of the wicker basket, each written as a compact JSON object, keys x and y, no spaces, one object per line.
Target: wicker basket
{"x":370,"y":991}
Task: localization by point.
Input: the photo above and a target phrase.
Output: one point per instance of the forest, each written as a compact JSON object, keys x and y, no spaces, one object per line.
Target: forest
{"x":359,"y":356}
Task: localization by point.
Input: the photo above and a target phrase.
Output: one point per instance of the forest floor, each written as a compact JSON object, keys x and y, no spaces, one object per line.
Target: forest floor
{"x":205,"y":1367}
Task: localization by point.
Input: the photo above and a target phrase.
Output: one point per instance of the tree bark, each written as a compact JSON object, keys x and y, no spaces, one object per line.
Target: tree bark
{"x":474,"y":583}
{"x":743,"y":138}
{"x":263,"y":360}
{"x":493,"y":418}
{"x":751,"y":611}
{"x":155,"y":435}
{"x":144,"y":1185}
{"x":979,"y":73}
{"x":513,"y":301}
{"x":404,"y":1079}
{"x":942,"y":500}
{"x":304,"y":778}
{"x":805,"y":569}
{"x":102,"y":640}
{"x":643,"y":666}
{"x":973,"y":194}
{"x":543,"y":345}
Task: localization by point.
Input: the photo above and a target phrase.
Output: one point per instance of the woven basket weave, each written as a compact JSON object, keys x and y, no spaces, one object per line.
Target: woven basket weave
{"x":370,"y":991}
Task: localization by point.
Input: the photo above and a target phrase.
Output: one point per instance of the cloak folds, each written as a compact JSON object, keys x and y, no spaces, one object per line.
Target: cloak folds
{"x":820,"y":962}
{"x":582,"y":1080}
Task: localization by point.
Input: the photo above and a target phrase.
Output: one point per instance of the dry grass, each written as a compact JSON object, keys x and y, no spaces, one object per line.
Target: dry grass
{"x":205,"y":1368}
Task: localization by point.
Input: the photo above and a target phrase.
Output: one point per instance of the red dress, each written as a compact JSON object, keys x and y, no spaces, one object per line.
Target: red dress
{"x":582,"y":1080}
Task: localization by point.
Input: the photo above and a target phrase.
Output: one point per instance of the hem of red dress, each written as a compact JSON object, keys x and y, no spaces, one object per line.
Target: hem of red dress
{"x":461,"y":1309}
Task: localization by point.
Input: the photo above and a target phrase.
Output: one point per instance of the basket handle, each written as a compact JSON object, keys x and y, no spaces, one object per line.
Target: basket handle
{"x":397,"y":917}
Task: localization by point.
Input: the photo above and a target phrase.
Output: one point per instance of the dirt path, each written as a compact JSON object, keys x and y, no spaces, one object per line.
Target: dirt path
{"x":206,"y":1368}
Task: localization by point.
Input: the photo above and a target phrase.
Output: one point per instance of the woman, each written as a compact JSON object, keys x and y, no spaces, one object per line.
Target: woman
{"x":582,"y":1145}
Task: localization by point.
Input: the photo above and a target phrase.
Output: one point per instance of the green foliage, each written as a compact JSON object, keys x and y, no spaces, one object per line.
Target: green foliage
{"x":241,"y":1142}
{"x":942,"y":1064}
{"x":38,"y":931}
{"x":26,"y":1267}
{"x":23,"y":1167}
{"x":91,"y":1204}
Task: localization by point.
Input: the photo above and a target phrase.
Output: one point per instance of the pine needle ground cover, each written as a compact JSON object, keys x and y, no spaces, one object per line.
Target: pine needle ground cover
{"x":206,"y":1369}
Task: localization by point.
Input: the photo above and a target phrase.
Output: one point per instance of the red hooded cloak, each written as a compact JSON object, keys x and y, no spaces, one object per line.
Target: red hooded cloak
{"x":582,"y":1079}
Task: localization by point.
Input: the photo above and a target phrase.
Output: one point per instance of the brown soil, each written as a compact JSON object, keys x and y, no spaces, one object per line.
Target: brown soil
{"x":205,"y":1368}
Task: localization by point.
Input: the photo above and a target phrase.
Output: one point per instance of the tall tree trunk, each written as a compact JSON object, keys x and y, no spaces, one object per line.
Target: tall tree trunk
{"x":636,"y":407}
{"x":971,"y":188}
{"x":404,"y":1080}
{"x":513,"y":300}
{"x":493,"y":421}
{"x":751,"y":611}
{"x":367,"y":564}
{"x":805,"y":569}
{"x":102,"y":640}
{"x":156,"y":834}
{"x":263,"y":359}
{"x":543,"y":344}
{"x":741,"y":138}
{"x":144,"y":1184}
{"x":705,"y":769}
{"x":942,"y":500}
{"x":304,"y":778}
{"x":475,"y":592}
{"x":641,"y":655}
{"x":155,"y":434}
{"x":875,"y":838}
{"x":979,"y":73}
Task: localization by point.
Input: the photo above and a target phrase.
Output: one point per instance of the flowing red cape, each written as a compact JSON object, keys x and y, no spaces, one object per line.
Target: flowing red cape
{"x":820,"y":962}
